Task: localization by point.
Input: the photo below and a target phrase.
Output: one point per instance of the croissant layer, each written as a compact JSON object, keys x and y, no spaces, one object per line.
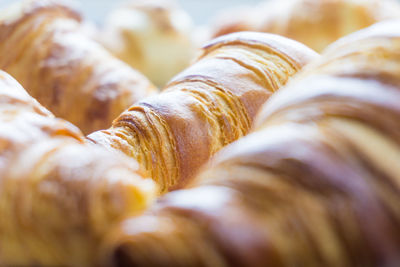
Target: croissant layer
{"x":316,"y":184}
{"x":58,"y":194}
{"x":204,"y":108}
{"x":44,"y":45}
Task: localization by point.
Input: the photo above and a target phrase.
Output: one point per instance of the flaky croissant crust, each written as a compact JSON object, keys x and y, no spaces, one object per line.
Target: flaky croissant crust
{"x":45,"y":47}
{"x":316,"y":184}
{"x":209,"y":105}
{"x":58,"y":195}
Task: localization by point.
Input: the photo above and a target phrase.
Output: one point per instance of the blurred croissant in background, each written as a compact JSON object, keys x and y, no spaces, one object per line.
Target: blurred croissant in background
{"x":315,"y":23}
{"x":153,"y":36}
{"x":45,"y":46}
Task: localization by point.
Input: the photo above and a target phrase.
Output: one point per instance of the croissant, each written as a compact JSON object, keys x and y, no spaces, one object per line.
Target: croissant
{"x":58,"y":195}
{"x":207,"y":106}
{"x":317,"y":183}
{"x":316,"y":23}
{"x":44,"y":46}
{"x":153,"y":36}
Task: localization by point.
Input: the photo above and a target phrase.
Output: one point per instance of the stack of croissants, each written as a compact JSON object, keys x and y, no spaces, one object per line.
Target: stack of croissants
{"x":257,"y":152}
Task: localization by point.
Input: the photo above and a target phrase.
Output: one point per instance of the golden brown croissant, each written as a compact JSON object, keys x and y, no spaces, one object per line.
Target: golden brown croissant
{"x":58,"y":195}
{"x":318,"y":183}
{"x":209,"y":105}
{"x":316,"y":23}
{"x":153,"y":36}
{"x":43,"y":45}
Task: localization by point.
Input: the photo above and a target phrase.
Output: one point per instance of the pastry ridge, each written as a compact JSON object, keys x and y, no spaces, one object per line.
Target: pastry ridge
{"x":59,"y":195}
{"x":315,"y":184}
{"x":46,"y":46}
{"x":208,"y":105}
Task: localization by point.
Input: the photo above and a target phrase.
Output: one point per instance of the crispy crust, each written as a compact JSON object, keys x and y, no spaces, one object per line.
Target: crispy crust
{"x":213,"y":102}
{"x":317,"y":184}
{"x":46,"y":49}
{"x":58,"y":195}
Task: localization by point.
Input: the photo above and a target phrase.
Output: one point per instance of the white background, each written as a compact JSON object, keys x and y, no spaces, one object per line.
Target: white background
{"x":200,"y":10}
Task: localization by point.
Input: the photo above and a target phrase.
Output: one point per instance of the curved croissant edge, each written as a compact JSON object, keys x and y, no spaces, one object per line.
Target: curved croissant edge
{"x":58,"y":194}
{"x":181,"y":216}
{"x":383,"y":29}
{"x":379,"y":32}
{"x":296,"y":52}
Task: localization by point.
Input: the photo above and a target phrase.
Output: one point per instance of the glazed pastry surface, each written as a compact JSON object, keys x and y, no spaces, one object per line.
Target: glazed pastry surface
{"x":58,"y":195}
{"x":316,"y":184}
{"x":209,"y":105}
{"x":44,"y":46}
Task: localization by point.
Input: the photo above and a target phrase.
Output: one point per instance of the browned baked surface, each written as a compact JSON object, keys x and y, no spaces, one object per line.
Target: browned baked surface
{"x":58,"y":195}
{"x":43,"y":45}
{"x":316,"y":185}
{"x":207,"y":106}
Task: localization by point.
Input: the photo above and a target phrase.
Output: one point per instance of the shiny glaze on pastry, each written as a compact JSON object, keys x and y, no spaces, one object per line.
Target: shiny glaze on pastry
{"x":209,"y":105}
{"x":316,"y":184}
{"x":58,"y":194}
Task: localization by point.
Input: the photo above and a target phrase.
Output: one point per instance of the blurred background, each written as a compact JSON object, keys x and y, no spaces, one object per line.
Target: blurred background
{"x":200,"y":10}
{"x":158,"y":39}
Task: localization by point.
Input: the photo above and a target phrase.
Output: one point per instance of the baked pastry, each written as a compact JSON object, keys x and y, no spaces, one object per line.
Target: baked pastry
{"x":43,"y":45}
{"x":58,"y":195}
{"x":153,"y":36}
{"x":316,"y":23}
{"x":317,"y":184}
{"x":207,"y":106}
